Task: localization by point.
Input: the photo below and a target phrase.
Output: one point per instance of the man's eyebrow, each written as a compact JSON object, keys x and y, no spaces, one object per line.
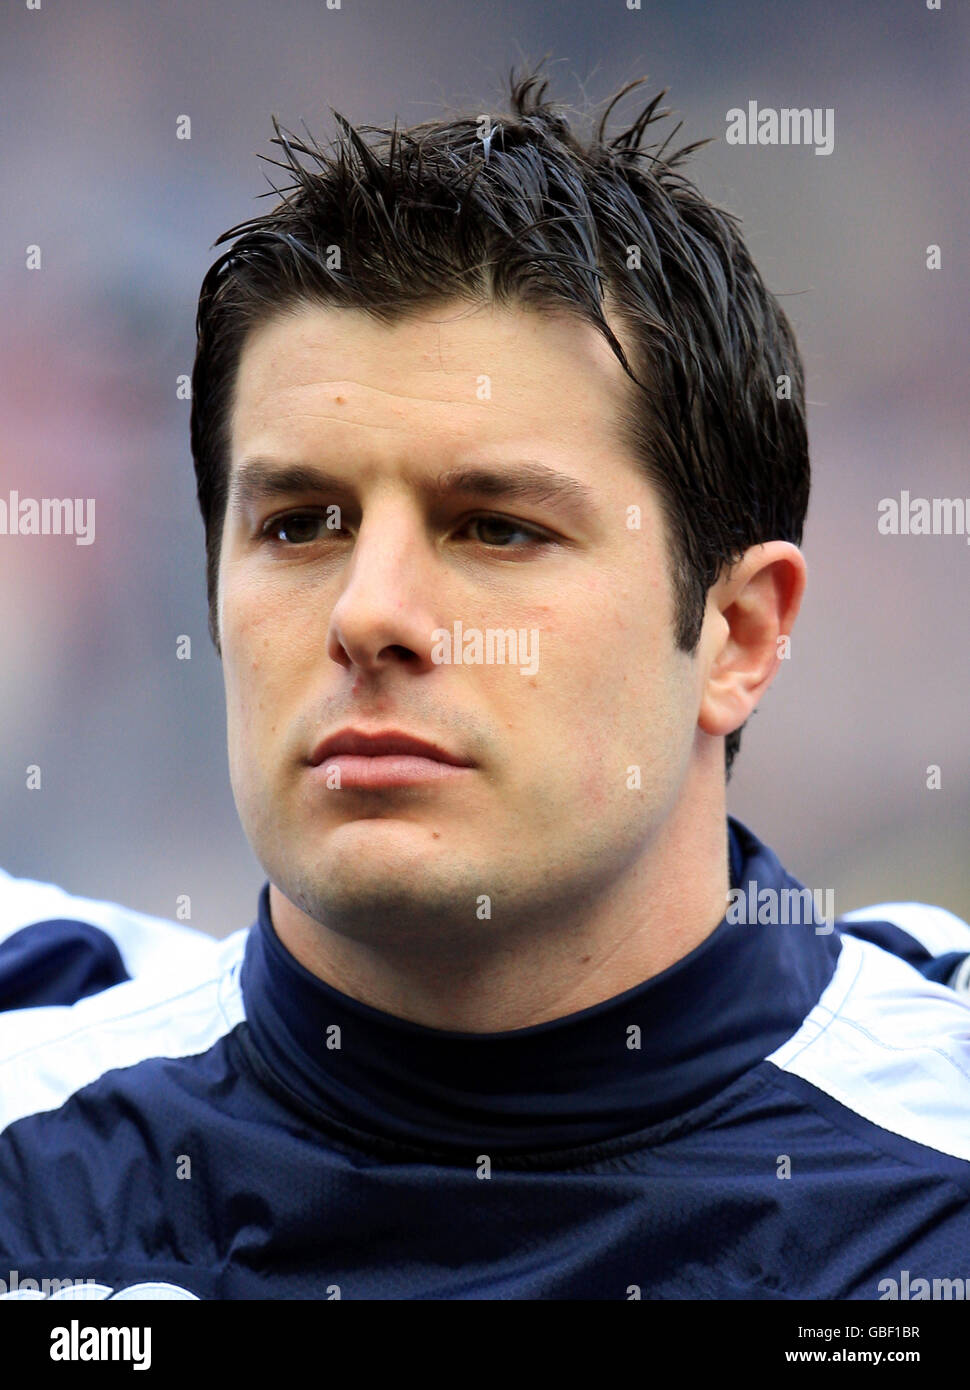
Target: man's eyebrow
{"x":258,"y":480}
{"x":523,"y":482}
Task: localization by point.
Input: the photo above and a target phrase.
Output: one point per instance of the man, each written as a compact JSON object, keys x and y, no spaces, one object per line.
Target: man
{"x":501,"y":454}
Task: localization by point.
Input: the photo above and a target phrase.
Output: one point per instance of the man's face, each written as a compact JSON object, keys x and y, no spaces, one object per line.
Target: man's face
{"x":577,"y":751}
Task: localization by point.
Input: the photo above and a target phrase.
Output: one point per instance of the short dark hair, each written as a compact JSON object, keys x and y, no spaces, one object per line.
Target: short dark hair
{"x":520,"y":208}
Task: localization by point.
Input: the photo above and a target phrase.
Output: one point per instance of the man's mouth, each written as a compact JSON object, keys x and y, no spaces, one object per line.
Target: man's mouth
{"x":355,"y":759}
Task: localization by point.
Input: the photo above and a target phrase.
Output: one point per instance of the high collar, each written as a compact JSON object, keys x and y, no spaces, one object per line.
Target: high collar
{"x":632,"y":1061}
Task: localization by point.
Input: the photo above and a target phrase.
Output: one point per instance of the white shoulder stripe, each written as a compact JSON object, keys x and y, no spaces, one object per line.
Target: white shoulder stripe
{"x":891,"y":1046}
{"x":46,"y":1054}
{"x":933,"y":927}
{"x":142,"y":941}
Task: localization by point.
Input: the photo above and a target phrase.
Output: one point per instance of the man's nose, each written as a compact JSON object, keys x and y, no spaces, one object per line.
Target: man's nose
{"x":384,"y":612}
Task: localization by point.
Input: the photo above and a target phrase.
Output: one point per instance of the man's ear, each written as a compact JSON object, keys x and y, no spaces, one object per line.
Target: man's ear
{"x":749,"y":609}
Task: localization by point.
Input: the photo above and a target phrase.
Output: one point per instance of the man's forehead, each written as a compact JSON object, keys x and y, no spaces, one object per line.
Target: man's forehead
{"x":452,"y":381}
{"x":455,"y":378}
{"x":450,"y":342}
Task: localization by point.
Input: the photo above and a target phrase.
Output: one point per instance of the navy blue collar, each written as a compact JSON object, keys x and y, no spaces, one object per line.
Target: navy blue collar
{"x":568,"y":1082}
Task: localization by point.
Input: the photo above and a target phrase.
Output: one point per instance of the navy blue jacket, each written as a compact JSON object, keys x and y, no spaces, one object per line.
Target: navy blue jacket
{"x":784,"y":1113}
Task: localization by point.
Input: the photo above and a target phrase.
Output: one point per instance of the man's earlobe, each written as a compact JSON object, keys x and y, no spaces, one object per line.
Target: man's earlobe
{"x":759,"y":602}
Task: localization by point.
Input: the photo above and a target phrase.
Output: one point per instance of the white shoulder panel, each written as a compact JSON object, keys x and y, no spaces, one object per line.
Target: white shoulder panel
{"x":891,"y":1046}
{"x":933,"y":927}
{"x":46,"y":1054}
{"x":143,"y":942}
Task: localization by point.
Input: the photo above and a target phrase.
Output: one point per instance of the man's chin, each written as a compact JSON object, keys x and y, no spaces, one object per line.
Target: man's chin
{"x":378,"y":834}
{"x":386,"y":863}
{"x":384,"y":904}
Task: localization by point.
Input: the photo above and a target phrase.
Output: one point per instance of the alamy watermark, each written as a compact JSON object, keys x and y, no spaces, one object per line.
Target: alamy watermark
{"x":906,"y":1288}
{"x":15,"y":1287}
{"x":754,"y":906}
{"x":923,"y":516}
{"x":791,"y":125}
{"x":48,"y":516}
{"x":496,"y":646}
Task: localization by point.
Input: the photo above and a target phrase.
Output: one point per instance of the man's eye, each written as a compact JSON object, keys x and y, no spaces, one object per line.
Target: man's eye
{"x":499,"y":527}
{"x":303,"y":528}
{"x":299,"y":528}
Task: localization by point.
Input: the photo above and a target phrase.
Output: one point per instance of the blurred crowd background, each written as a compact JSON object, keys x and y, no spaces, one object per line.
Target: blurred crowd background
{"x":136,"y":804}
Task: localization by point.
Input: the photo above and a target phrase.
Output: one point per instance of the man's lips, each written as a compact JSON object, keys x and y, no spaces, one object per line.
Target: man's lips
{"x":389,"y":758}
{"x":383,"y":744}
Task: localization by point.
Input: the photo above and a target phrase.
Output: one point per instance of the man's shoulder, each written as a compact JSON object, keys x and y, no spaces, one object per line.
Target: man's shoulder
{"x":887,"y":1042}
{"x":56,"y":947}
{"x":90,"y":986}
{"x":933,"y":939}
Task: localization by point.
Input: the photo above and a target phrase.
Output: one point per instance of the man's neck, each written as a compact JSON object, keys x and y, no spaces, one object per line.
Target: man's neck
{"x":669,"y":901}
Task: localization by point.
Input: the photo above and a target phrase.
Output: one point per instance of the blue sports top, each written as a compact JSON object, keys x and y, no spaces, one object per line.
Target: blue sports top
{"x":783,"y":1113}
